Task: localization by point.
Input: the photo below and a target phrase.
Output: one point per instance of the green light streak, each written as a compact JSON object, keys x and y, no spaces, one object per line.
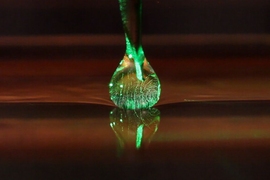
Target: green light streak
{"x":139,"y":136}
{"x":137,"y":55}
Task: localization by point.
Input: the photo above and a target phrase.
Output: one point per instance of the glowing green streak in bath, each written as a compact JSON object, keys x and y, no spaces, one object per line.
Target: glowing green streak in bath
{"x":134,"y":84}
{"x":139,"y":136}
{"x":134,"y":128}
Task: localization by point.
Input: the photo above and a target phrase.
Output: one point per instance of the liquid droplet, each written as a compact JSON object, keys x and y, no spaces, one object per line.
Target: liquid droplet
{"x":134,"y":84}
{"x":128,"y":92}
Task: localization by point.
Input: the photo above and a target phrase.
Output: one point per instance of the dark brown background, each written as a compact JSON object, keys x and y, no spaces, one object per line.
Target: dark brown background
{"x":28,"y":17}
{"x":57,"y":57}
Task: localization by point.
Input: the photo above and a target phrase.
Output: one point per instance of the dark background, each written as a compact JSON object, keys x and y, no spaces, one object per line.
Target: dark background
{"x":29,"y":17}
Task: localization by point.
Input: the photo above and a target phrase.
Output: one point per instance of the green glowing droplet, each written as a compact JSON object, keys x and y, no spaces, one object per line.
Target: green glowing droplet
{"x":134,"y":84}
{"x":128,"y":92}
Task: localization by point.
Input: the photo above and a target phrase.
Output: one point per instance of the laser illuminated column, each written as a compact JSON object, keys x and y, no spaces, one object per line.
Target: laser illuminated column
{"x":134,"y":84}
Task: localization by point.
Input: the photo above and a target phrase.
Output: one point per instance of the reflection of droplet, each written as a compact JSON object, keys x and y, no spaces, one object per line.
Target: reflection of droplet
{"x":134,"y":128}
{"x":134,"y":84}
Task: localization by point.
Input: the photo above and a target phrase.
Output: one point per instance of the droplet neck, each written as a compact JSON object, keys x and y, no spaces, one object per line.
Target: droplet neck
{"x":131,"y":12}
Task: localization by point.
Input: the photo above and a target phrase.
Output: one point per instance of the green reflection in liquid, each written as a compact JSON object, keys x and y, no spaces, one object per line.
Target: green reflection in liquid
{"x":134,"y":84}
{"x":133,"y":128}
{"x":139,"y":136}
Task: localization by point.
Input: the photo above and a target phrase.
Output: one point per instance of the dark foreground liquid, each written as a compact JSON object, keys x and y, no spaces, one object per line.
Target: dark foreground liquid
{"x":192,"y":139}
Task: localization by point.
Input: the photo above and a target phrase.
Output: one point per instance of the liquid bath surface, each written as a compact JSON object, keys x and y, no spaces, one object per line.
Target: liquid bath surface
{"x":47,"y":134}
{"x":88,"y":141}
{"x":44,"y":128}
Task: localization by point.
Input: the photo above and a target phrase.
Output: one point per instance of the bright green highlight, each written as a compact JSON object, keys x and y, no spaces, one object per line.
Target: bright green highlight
{"x":139,"y":136}
{"x":137,"y":55}
{"x":134,"y":84}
